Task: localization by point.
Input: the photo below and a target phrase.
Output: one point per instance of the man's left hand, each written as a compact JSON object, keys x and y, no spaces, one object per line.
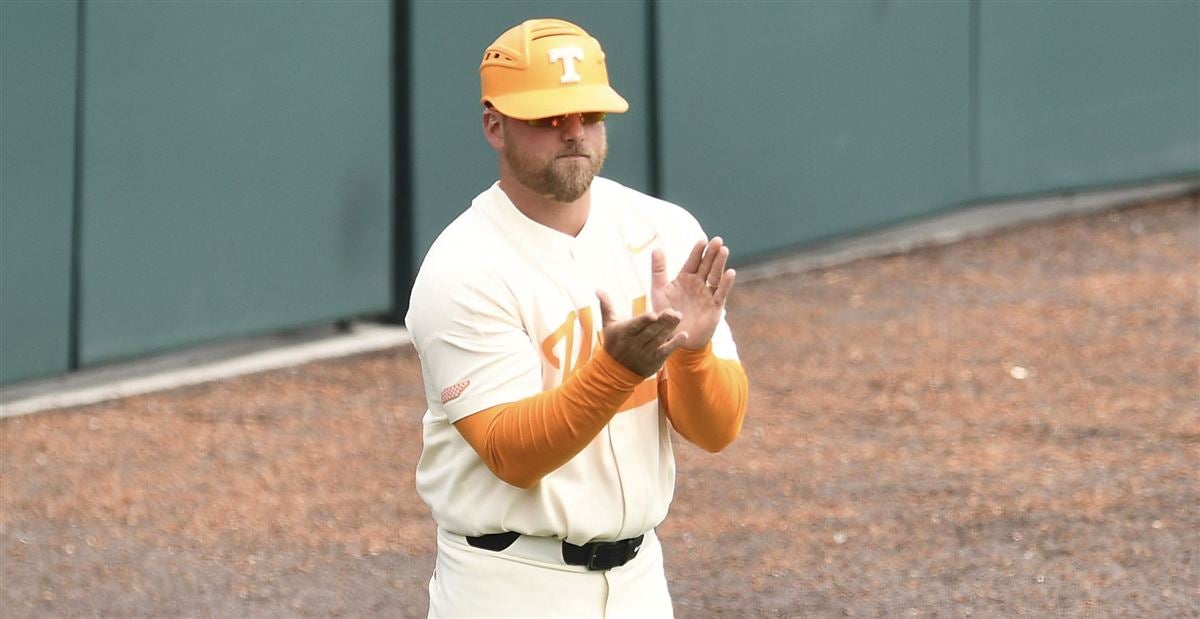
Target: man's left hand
{"x":698,"y":292}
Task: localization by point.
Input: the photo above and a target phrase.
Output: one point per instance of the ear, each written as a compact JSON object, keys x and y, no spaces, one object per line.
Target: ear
{"x":493,"y":128}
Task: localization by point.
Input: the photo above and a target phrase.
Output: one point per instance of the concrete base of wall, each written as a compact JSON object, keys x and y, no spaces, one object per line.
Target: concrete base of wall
{"x":198,"y":365}
{"x":297,"y":347}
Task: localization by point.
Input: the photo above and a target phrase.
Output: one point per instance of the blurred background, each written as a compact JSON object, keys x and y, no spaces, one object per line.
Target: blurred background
{"x":178,"y":173}
{"x":1003,"y":426}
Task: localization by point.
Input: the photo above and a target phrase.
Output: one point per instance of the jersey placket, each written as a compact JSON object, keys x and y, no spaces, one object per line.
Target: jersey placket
{"x":598,"y":253}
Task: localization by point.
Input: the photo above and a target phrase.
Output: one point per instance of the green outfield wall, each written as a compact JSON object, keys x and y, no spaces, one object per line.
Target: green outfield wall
{"x":230,"y":174}
{"x":177,"y":173}
{"x":823,"y":118}
{"x":1086,"y":94}
{"x":236,"y":170}
{"x":37,"y":158}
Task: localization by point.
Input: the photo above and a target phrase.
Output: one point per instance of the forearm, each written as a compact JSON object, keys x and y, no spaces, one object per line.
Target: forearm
{"x":523,"y":441}
{"x":705,"y":397}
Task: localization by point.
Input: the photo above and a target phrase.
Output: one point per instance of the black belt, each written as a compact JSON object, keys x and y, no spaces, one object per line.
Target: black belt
{"x":593,"y":555}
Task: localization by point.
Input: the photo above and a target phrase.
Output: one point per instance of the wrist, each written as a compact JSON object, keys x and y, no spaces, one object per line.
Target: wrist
{"x":688,"y":358}
{"x":617,"y":372}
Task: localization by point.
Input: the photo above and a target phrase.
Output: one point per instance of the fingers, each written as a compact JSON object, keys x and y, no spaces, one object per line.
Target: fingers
{"x":659,"y":328}
{"x":693,"y":260}
{"x":636,"y":325}
{"x":707,"y":260}
{"x":607,"y":315}
{"x":638,"y":343}
{"x":723,"y":288}
{"x":644,"y":326}
{"x":717,"y":272}
{"x":672,"y":344}
{"x":658,"y":271}
{"x":710,"y":255}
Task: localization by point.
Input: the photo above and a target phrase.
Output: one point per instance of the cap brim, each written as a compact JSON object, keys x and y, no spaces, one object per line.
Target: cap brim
{"x":558,"y":101}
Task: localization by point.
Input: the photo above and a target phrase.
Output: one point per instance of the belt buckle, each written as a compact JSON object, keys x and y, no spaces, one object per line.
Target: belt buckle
{"x":605,"y":556}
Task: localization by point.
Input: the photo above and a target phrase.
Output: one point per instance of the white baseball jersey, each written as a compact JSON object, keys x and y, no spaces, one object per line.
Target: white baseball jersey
{"x":504,"y":308}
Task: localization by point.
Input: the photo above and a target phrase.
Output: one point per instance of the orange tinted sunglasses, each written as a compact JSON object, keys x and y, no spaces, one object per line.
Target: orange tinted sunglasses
{"x":585,"y":118}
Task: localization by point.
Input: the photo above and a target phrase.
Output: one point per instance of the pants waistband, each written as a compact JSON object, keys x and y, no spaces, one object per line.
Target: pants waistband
{"x":546,"y":550}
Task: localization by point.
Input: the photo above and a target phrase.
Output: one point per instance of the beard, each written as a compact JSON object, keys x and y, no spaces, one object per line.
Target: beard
{"x":565,"y":179}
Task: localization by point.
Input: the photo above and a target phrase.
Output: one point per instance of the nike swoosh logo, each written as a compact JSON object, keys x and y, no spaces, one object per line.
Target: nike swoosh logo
{"x":637,"y":249}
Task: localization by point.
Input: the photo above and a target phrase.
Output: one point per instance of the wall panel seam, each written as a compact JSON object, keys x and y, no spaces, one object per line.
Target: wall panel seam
{"x":76,"y":247}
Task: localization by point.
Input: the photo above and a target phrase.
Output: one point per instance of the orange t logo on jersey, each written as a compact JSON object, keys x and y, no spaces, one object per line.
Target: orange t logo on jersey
{"x":565,"y":333}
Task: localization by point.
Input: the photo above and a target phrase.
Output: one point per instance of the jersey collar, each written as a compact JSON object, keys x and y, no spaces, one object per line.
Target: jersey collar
{"x":531,"y":235}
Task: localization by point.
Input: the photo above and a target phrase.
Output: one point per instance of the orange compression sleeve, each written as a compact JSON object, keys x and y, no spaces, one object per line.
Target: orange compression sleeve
{"x":523,"y":441}
{"x":705,"y":397}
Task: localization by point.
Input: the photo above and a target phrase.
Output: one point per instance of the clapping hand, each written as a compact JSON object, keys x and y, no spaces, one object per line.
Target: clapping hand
{"x":684,"y":312}
{"x":641,"y":343}
{"x":697,"y":293}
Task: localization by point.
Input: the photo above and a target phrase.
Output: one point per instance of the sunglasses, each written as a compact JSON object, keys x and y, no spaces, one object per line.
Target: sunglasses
{"x":585,"y":118}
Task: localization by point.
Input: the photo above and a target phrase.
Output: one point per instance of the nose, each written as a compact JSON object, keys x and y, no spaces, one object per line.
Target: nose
{"x":572,"y":129}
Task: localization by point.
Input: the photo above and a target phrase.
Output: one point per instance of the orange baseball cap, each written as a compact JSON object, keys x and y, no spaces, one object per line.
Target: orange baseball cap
{"x":547,"y":67}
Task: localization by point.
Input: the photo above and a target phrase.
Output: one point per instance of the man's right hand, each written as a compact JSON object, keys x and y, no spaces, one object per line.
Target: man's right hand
{"x":643,"y":342}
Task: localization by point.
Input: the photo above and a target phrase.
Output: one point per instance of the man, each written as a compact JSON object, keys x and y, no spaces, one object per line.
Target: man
{"x":547,"y":459}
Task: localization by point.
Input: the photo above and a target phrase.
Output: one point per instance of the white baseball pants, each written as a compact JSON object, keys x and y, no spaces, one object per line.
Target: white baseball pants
{"x":529,"y":579}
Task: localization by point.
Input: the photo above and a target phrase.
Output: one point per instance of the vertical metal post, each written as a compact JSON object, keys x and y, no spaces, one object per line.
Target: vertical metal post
{"x":403,"y":267}
{"x":73,"y":326}
{"x":973,"y":113}
{"x":654,"y":143}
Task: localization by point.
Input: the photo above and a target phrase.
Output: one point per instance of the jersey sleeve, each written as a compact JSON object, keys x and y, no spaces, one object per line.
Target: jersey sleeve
{"x":475,"y":352}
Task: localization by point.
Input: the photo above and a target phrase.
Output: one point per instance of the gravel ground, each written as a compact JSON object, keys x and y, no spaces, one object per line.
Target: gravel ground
{"x":1009,"y":425}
